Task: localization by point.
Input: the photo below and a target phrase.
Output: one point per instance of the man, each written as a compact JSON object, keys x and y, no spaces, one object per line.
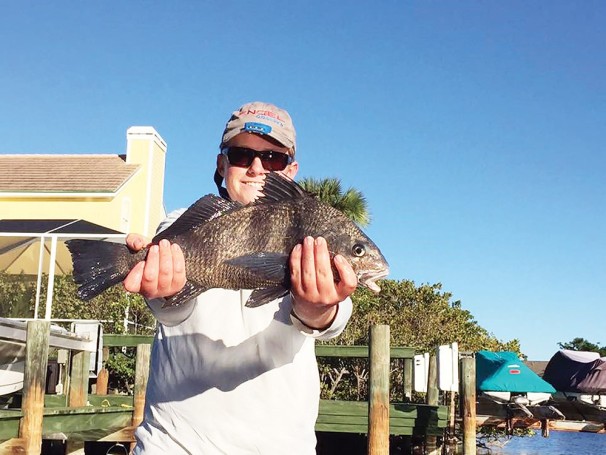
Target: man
{"x":226,"y":379}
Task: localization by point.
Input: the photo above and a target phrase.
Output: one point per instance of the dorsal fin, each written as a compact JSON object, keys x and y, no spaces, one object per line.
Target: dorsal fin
{"x":203,"y":210}
{"x":278,"y":187}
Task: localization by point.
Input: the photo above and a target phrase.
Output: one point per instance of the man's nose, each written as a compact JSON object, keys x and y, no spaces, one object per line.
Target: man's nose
{"x":257,"y":166}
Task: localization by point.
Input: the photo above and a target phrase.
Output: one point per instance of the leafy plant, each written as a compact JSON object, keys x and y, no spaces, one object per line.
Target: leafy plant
{"x":17,"y":295}
{"x":121,"y":368}
{"x":422,"y":317}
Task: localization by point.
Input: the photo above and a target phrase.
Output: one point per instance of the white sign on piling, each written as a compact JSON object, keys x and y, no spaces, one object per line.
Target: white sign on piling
{"x":421,"y":372}
{"x":448,"y":367}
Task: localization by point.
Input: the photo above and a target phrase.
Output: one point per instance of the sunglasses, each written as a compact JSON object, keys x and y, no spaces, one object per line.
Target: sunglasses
{"x":243,"y":157}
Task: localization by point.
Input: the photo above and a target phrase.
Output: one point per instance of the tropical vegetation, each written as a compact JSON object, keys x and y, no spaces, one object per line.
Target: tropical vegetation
{"x":351,"y":201}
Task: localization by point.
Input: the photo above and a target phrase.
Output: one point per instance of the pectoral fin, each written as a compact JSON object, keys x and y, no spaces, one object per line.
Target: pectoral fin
{"x":262,"y":296}
{"x":267,"y":266}
{"x":189,"y":291}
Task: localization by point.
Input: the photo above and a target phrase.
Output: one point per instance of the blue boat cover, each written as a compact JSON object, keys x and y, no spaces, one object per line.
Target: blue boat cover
{"x":505,"y":372}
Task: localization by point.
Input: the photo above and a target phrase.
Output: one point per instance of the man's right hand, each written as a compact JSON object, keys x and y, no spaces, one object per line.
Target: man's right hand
{"x":162,"y":274}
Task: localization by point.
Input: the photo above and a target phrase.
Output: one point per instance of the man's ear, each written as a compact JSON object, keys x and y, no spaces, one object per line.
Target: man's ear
{"x":291,"y":170}
{"x":220,"y":164}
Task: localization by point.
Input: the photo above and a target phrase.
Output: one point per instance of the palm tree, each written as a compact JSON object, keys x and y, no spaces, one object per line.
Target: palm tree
{"x":351,"y":202}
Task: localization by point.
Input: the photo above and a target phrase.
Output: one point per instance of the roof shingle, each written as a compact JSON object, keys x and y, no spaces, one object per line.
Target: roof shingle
{"x":63,"y":173}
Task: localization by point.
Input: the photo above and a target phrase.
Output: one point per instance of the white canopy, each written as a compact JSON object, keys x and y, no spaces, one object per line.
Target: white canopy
{"x":35,"y":247}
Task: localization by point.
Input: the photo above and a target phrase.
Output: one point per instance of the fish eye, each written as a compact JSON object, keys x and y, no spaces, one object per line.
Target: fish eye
{"x":358,"y":250}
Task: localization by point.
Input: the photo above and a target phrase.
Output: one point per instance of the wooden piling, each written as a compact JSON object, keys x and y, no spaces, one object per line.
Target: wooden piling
{"x":103,"y":375}
{"x":468,"y":404}
{"x":78,"y":391}
{"x":408,"y":367}
{"x":378,"y":405}
{"x":102,"y":382}
{"x":141,"y":377}
{"x":432,"y":400}
{"x":78,"y":383}
{"x":451,"y":439}
{"x":545,"y":428}
{"x":34,"y":381}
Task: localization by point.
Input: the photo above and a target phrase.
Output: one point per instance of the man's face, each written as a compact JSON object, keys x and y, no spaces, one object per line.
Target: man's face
{"x":244,"y":183}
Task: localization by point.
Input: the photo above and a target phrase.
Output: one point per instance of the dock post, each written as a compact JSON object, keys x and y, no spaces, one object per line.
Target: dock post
{"x":378,"y":403}
{"x":78,"y":391}
{"x":545,"y":428}
{"x":468,"y":404}
{"x":408,"y":380}
{"x":141,"y":377}
{"x":451,"y":439}
{"x":78,"y":383}
{"x":432,"y":398}
{"x":34,"y":381}
{"x":103,"y":375}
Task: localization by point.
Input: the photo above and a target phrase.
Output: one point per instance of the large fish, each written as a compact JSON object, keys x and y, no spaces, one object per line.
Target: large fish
{"x":233,"y":246}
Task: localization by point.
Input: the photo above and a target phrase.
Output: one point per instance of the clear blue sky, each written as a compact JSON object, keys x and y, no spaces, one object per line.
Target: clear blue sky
{"x":476,"y":130}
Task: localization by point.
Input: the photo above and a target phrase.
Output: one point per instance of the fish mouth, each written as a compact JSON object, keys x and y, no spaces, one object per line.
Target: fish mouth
{"x":368,"y":279}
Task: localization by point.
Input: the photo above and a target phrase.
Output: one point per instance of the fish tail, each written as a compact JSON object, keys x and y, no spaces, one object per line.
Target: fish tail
{"x":98,"y":265}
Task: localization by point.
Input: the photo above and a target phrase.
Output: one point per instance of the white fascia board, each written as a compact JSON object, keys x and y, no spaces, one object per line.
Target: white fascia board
{"x":62,"y":236}
{"x":47,"y":195}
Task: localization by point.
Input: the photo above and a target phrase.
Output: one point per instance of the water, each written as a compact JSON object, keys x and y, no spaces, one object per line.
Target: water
{"x":558,"y":443}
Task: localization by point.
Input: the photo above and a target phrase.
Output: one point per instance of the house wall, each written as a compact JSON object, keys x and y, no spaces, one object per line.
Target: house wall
{"x":135,"y":207}
{"x":146,"y":148}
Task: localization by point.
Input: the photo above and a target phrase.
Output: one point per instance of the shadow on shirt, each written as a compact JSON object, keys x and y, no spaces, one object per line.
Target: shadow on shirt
{"x":190,"y":364}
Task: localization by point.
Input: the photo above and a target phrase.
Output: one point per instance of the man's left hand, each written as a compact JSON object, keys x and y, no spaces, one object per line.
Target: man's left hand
{"x":316,"y":295}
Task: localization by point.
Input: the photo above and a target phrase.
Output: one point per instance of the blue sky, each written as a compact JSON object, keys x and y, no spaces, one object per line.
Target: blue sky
{"x":476,"y":130}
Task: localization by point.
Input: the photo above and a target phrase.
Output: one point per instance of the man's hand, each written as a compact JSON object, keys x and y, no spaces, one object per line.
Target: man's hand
{"x":162,"y":274}
{"x":315,"y":293}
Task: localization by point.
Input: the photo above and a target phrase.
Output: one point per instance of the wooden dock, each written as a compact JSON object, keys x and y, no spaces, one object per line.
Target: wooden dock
{"x":79,"y":416}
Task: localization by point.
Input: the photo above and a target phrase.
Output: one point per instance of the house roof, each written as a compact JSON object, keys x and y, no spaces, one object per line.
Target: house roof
{"x":64,"y":173}
{"x":538,"y":366}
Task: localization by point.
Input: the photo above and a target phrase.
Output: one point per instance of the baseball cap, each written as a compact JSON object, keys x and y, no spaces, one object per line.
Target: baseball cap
{"x":261,"y":118}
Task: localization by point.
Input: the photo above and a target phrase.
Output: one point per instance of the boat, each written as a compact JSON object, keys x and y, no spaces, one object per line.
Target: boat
{"x":11,"y":377}
{"x":34,"y":247}
{"x":578,"y":376}
{"x":85,"y":336}
{"x":503,"y":378}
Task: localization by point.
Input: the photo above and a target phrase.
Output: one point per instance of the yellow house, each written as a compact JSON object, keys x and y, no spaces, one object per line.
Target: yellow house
{"x":47,"y":199}
{"x":119,"y":192}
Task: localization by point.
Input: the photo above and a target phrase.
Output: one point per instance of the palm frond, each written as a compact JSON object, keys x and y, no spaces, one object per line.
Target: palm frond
{"x":351,"y":202}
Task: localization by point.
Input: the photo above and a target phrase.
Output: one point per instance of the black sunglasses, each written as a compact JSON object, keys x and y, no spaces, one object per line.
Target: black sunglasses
{"x":243,"y":157}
